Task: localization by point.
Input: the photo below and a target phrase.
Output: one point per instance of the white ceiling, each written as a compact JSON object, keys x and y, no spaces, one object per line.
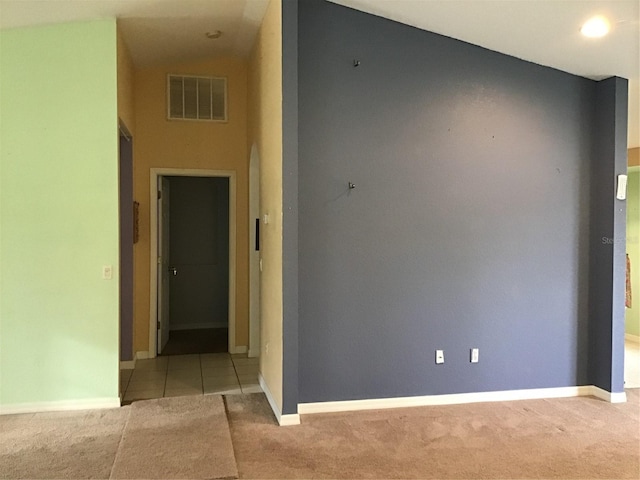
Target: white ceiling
{"x":541,"y":31}
{"x":156,"y":31}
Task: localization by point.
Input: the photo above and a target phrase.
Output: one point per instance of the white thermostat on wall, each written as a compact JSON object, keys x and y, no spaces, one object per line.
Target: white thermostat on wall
{"x":622,"y":187}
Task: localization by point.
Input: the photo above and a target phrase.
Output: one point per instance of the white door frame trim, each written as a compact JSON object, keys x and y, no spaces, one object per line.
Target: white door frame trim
{"x":153,"y":249}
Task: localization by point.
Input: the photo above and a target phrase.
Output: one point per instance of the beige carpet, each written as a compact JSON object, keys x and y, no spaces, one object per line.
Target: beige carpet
{"x":60,"y":444}
{"x":579,"y":438}
{"x":188,"y":437}
{"x":167,"y":438}
{"x":176,"y":438}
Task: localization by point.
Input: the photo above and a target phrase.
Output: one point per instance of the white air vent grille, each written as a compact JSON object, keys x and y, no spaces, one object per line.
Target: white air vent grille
{"x":197,"y":98}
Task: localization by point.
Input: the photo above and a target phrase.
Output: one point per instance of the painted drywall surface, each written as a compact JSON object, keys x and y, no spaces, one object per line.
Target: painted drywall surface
{"x":290,"y":291}
{"x":194,"y":145}
{"x":126,"y":105}
{"x":125,"y":200}
{"x":634,"y":157}
{"x":607,"y":265}
{"x":469,"y":223}
{"x":59,"y":217}
{"x":265,"y":130}
{"x":632,"y":315}
{"x":126,"y":115}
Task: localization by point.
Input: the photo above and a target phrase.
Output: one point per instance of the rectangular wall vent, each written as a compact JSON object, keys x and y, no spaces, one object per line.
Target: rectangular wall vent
{"x":197,"y":98}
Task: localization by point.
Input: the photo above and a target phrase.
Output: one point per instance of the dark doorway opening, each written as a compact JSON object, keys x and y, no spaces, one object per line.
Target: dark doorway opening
{"x":198,"y":265}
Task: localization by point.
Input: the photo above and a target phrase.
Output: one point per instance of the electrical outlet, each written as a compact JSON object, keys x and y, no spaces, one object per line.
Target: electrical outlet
{"x":475,"y":355}
{"x":439,"y":356}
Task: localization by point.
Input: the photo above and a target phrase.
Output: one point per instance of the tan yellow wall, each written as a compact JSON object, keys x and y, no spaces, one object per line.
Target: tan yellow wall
{"x":634,"y":157}
{"x":160,"y":143}
{"x":265,"y":131}
{"x":126,"y":111}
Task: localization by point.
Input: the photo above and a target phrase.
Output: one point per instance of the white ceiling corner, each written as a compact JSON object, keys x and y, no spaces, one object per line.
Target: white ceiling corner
{"x":178,"y":33}
{"x":252,"y":16}
{"x":156,"y":31}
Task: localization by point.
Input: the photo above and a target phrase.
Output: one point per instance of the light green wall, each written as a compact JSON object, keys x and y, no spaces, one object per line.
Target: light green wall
{"x":58,"y":214}
{"x":632,"y":315}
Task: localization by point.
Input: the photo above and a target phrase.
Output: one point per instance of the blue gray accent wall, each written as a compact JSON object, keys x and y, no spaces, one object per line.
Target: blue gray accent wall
{"x":608,"y":237}
{"x":126,"y":246}
{"x":290,"y":206}
{"x":470,"y":222}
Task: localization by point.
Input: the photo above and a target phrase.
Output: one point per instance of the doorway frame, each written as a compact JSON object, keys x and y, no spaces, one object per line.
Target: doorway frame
{"x":154,"y":174}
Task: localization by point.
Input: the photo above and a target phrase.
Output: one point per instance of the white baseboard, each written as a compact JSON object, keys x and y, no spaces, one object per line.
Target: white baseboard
{"x":61,"y":405}
{"x":238,"y":349}
{"x":252,"y":389}
{"x":283,"y":420}
{"x":131,"y":364}
{"x":611,"y":397}
{"x":632,"y":338}
{"x":459,"y":398}
{"x":198,"y":326}
{"x":128,"y":364}
{"x":253,"y":353}
{"x":289,"y":420}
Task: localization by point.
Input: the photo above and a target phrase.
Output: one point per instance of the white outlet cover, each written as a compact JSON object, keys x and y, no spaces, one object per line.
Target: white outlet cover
{"x":475,"y":354}
{"x":439,"y":356}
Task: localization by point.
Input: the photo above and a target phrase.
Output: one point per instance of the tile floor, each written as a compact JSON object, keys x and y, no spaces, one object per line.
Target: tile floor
{"x":177,"y":375}
{"x":631,"y":364}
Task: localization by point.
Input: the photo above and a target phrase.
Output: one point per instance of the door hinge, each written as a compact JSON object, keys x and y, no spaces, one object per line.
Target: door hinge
{"x":159,"y":194}
{"x":158,"y":324}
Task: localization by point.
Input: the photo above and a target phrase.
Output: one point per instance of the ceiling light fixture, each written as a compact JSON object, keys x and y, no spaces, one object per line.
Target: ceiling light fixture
{"x":214,"y":35}
{"x":595,"y":27}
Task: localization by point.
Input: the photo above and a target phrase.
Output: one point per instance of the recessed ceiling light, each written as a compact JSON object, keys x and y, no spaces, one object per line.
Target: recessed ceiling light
{"x":214,"y":35}
{"x":595,"y":27}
